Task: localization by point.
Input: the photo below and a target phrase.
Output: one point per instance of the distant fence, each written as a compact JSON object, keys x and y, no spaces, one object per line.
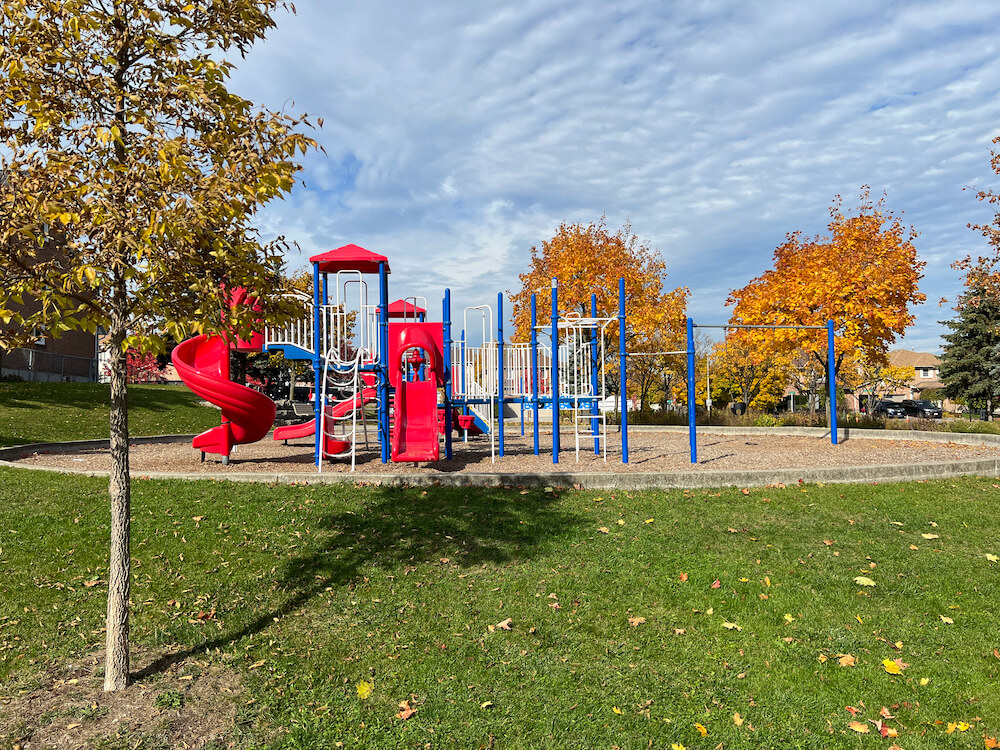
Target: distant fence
{"x":45,"y":367}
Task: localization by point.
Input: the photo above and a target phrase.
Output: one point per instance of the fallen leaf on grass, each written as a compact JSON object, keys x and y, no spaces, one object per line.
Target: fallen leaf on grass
{"x":648,"y":520}
{"x":846,"y":660}
{"x":991,"y":743}
{"x":894,"y":666}
{"x":486,"y":704}
{"x":365,"y":690}
{"x":617,"y":710}
{"x":679,"y":631}
{"x":863,"y":581}
{"x":683,"y":577}
{"x":677,"y":746}
{"x":947,"y":620}
{"x":789,"y":618}
{"x":737,"y":719}
{"x":505,"y":625}
{"x":620,"y":522}
{"x":603,"y":529}
{"x":405,"y":710}
{"x":851,"y":710}
{"x":701,"y":730}
{"x":961,"y":726}
{"x":716,"y":583}
{"x":884,"y":713}
{"x":74,"y":726}
{"x":731,"y":626}
{"x":859,"y":727}
{"x":930,"y":536}
{"x":636,"y":621}
{"x":992,"y":558}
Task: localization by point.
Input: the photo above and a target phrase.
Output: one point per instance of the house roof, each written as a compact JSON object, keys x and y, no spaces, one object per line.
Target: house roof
{"x":907,"y":358}
{"x":403,"y":309}
{"x":349,"y":258}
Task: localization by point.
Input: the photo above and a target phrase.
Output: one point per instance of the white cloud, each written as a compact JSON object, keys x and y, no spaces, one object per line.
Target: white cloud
{"x":458,"y":135}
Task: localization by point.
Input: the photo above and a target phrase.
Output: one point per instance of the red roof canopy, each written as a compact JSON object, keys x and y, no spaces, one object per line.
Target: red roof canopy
{"x":349,"y":258}
{"x":403,"y":309}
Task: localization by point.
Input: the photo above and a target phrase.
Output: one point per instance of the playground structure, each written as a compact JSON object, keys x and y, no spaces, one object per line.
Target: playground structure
{"x":425,"y":383}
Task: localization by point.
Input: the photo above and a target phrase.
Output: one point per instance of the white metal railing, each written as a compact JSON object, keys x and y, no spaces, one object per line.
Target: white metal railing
{"x":298,"y":332}
{"x":336,"y":426}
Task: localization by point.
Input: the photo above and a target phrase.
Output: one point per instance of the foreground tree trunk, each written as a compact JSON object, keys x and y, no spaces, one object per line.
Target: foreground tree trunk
{"x":116,"y":675}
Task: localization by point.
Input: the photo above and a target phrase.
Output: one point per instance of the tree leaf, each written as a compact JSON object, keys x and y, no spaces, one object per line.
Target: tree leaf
{"x":947,"y":620}
{"x":737,"y":719}
{"x":731,"y":626}
{"x":701,"y":730}
{"x":636,"y":621}
{"x":847,"y":660}
{"x":863,"y":581}
{"x":405,"y":710}
{"x":365,"y":689}
{"x":859,"y":727}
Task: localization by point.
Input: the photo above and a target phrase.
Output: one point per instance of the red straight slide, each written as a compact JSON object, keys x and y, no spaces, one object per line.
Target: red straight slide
{"x":340,"y":409}
{"x":203,"y":364}
{"x":415,"y":433}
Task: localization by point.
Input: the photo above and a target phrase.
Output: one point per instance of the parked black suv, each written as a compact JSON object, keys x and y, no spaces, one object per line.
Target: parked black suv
{"x":923,"y":409}
{"x":889,"y":409}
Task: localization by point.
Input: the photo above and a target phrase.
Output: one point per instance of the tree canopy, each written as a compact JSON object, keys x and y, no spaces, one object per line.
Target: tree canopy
{"x":970,"y":362}
{"x":863,"y":275}
{"x":132,"y":177}
{"x":589,"y":260}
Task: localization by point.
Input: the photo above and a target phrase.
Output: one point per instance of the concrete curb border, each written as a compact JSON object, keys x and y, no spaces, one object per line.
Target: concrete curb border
{"x":594,"y":480}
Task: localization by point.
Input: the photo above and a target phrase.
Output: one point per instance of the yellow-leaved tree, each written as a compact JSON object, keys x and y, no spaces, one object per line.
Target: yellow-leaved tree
{"x":132,"y":176}
{"x":589,"y":260}
{"x":748,"y":372}
{"x":863,"y":275}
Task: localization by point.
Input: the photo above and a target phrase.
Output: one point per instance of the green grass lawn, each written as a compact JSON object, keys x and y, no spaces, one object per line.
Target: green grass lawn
{"x":43,"y":412}
{"x":619,"y":635}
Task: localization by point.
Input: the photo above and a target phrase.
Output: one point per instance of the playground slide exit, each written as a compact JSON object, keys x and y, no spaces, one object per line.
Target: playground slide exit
{"x":247,"y":415}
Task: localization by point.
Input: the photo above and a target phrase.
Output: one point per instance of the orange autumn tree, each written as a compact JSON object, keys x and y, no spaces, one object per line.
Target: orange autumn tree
{"x":863,"y":276}
{"x":589,"y":260}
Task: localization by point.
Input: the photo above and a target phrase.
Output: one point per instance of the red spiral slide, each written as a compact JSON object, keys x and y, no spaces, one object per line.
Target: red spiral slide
{"x":203,"y":364}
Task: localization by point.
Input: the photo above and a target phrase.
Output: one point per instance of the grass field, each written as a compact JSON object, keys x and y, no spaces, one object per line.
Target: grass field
{"x":42,"y":412}
{"x":511,"y":618}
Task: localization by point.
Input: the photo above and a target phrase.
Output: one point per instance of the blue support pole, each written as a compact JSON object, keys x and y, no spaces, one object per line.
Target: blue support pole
{"x":692,"y":431}
{"x":317,"y":357}
{"x":594,"y":333}
{"x":446,"y":322}
{"x":555,"y":371}
{"x":500,"y":388}
{"x":832,"y":378}
{"x":383,"y":370}
{"x":534,"y":369}
{"x":622,"y":361}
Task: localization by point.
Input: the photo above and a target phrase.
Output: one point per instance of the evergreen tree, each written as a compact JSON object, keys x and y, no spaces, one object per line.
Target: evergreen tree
{"x":970,"y":364}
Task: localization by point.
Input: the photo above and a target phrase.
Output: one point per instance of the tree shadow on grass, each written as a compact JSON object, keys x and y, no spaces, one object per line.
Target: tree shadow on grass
{"x":399,"y":527}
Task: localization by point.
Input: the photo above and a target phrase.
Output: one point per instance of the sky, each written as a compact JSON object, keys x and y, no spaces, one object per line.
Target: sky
{"x":457,"y":135}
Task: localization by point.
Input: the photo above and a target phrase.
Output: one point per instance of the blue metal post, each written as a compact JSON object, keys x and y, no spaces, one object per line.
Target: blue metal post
{"x":555,"y":371}
{"x":383,"y":370}
{"x":317,"y":357}
{"x":594,"y":333}
{"x":534,"y":369}
{"x":500,"y":388}
{"x":832,"y":377}
{"x":446,"y":318}
{"x":692,"y":431}
{"x":622,"y":361}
